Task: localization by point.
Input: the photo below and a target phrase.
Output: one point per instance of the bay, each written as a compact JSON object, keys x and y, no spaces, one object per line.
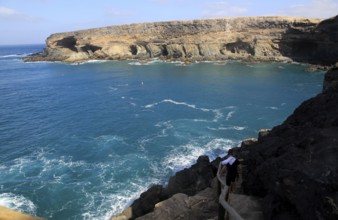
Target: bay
{"x":81,"y":141}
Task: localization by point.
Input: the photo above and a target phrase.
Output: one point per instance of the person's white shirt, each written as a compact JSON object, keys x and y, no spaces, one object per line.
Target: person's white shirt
{"x":230,"y":160}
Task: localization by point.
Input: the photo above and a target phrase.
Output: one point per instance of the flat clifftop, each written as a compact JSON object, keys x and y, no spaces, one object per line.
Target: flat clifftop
{"x":244,"y":38}
{"x":185,"y":27}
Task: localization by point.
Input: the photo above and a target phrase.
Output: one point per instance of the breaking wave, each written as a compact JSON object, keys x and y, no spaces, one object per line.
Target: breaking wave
{"x":18,"y":203}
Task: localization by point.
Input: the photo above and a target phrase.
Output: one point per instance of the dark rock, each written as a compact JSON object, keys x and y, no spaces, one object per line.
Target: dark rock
{"x":294,"y":167}
{"x":194,"y":179}
{"x":147,"y":200}
{"x":188,"y":181}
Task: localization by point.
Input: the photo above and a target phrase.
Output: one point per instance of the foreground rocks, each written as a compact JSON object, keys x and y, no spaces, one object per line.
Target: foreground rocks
{"x":312,"y":41}
{"x":187,"y":182}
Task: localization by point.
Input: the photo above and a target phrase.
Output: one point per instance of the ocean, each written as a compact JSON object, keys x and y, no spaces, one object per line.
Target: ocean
{"x":82,"y":141}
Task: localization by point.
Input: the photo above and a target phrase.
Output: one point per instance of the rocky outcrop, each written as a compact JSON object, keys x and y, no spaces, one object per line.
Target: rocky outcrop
{"x":248,"y":38}
{"x":9,"y":214}
{"x":201,"y":206}
{"x":294,"y":166}
{"x":187,"y":182}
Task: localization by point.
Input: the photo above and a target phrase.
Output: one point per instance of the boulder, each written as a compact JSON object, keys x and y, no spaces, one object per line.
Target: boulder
{"x":202,"y":206}
{"x":196,"y":178}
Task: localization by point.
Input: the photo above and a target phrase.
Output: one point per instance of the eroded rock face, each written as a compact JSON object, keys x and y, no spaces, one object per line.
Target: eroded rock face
{"x":247,"y":38}
{"x":294,"y":166}
{"x":187,"y":182}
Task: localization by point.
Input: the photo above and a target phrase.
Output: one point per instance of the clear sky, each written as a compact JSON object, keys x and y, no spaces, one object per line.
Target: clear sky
{"x":32,"y":21}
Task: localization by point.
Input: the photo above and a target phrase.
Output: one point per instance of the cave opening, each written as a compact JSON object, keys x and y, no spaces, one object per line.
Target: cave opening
{"x":92,"y":48}
{"x":67,"y":42}
{"x":164,"y":51}
{"x":133,"y":49}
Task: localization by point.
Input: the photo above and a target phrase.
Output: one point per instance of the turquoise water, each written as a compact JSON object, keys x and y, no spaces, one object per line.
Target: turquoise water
{"x":83,"y":141}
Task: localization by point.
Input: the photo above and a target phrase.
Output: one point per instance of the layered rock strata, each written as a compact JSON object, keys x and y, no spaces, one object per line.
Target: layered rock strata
{"x":247,"y":38}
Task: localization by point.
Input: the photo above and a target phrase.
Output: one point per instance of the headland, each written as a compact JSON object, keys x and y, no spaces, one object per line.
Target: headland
{"x":281,"y":39}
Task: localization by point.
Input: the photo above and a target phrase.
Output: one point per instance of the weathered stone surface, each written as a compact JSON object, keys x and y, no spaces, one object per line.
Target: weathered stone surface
{"x":188,"y":181}
{"x":9,"y":214}
{"x":247,"y":38}
{"x":294,"y":167}
{"x":194,"y":179}
{"x":175,"y":51}
{"x":202,"y":206}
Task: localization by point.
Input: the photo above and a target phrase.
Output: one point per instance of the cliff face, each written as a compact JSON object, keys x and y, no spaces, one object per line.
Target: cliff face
{"x":249,"y":38}
{"x":294,"y":166}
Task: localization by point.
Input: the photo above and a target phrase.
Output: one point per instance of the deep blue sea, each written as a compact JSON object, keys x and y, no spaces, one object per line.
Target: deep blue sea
{"x":82,"y":141}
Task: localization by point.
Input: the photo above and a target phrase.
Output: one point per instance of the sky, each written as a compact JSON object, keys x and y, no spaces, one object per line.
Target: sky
{"x":32,"y":21}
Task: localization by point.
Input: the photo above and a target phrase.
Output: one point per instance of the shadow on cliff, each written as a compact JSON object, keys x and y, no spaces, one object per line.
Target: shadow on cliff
{"x":294,"y":167}
{"x":317,"y":45}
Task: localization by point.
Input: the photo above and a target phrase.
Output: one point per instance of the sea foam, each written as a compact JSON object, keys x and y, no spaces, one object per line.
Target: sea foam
{"x":17,"y":202}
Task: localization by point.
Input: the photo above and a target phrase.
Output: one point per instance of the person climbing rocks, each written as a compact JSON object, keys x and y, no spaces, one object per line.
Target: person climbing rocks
{"x":230,"y":165}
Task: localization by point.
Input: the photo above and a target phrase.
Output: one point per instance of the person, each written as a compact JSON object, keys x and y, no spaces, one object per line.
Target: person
{"x":230,"y":165}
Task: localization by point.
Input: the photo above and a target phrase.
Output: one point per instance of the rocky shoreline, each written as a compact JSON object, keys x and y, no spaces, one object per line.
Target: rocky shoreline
{"x":252,"y":39}
{"x":291,"y":167}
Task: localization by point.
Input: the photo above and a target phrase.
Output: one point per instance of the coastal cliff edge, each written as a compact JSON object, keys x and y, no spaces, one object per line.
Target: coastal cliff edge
{"x":284,"y":39}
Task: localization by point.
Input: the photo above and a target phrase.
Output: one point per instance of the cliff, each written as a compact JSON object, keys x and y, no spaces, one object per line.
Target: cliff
{"x":292,"y":167}
{"x":247,"y":38}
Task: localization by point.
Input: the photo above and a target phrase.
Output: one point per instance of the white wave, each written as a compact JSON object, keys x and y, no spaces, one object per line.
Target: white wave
{"x":165,"y":126}
{"x":218,"y":115}
{"x":229,"y":115}
{"x":112,"y":89}
{"x":122,"y":85}
{"x":172,"y":102}
{"x":143,"y":63}
{"x":97,"y":61}
{"x":185,"y":155}
{"x":221,"y":63}
{"x":103,"y":206}
{"x":17,"y":202}
{"x":200,"y":120}
{"x":89,"y":62}
{"x":217,"y":112}
{"x":16,"y":55}
{"x":237,"y":128}
{"x":272,"y":107}
{"x":110,"y":139}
